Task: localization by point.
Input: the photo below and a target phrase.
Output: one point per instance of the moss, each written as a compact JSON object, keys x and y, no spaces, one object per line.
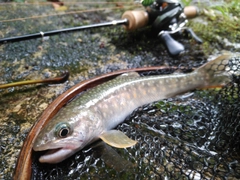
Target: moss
{"x":217,"y":26}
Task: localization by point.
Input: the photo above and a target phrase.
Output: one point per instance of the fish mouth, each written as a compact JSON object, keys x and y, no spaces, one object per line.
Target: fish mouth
{"x":57,"y":151}
{"x":52,"y":151}
{"x":53,"y":156}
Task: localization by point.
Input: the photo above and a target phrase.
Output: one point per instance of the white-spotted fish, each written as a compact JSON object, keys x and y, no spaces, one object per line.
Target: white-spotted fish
{"x":94,"y":114}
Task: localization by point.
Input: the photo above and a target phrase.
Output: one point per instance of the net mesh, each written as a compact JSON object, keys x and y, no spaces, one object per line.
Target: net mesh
{"x":191,"y":136}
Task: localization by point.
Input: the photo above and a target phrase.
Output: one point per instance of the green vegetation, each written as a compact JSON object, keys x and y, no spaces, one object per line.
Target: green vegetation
{"x":218,"y":26}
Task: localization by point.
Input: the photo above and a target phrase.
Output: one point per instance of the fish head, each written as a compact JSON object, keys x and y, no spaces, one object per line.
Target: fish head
{"x":61,"y":139}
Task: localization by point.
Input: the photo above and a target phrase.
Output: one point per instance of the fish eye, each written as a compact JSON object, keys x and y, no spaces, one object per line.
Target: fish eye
{"x":62,"y":129}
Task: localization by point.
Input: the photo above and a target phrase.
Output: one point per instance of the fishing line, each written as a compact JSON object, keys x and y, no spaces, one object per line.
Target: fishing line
{"x":58,"y":14}
{"x":71,"y":12}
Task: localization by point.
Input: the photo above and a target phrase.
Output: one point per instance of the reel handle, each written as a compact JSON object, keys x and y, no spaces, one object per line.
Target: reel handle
{"x":173,"y":47}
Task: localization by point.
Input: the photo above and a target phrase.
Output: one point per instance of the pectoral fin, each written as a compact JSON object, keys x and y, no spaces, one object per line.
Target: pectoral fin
{"x":117,"y":139}
{"x":112,"y":158}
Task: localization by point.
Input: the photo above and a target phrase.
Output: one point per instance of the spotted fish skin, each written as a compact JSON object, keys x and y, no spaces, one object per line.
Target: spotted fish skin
{"x":102,"y":108}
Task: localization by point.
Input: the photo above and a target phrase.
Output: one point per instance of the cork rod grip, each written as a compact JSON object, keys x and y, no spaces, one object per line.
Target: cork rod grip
{"x":191,"y":11}
{"x":136,"y":19}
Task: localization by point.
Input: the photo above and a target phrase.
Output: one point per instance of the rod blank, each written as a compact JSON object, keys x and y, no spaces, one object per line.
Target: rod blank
{"x":54,"y":32}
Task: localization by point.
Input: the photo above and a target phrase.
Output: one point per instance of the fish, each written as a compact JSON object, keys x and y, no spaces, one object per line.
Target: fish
{"x":95,"y":113}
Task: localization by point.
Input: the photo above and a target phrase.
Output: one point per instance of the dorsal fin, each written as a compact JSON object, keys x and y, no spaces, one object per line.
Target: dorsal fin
{"x":129,"y":74}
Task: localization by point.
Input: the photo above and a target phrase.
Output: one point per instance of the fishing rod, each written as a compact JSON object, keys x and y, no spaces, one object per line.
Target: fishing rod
{"x":167,"y":18}
{"x":55,"y":32}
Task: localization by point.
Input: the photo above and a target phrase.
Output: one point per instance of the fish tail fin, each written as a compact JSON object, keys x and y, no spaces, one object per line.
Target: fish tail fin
{"x":216,"y":72}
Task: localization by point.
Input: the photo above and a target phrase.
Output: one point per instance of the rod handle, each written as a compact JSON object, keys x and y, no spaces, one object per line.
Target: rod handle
{"x":139,"y":18}
{"x":191,"y":11}
{"x":136,"y":19}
